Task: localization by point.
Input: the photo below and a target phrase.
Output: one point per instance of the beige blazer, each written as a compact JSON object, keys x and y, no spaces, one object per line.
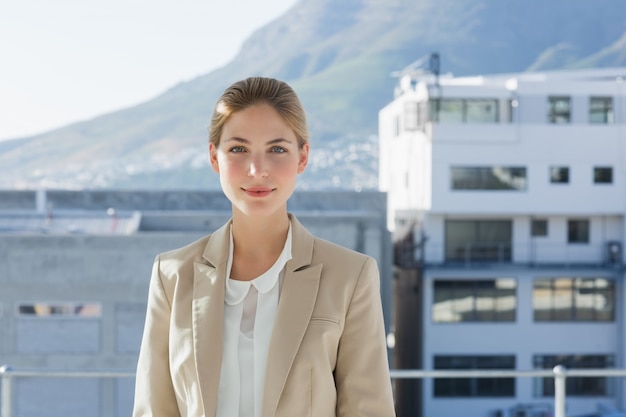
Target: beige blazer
{"x":327,"y":355}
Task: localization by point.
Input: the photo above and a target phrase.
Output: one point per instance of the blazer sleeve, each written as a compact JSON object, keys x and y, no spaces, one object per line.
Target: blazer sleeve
{"x":154,"y":392}
{"x":362,"y":369}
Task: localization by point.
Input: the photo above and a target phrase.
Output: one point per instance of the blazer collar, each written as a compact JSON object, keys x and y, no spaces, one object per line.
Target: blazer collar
{"x":295,"y":307}
{"x":216,"y":250}
{"x":208,"y":315}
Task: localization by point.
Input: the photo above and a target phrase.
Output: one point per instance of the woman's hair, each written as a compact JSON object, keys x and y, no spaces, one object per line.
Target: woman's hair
{"x":260,"y":90}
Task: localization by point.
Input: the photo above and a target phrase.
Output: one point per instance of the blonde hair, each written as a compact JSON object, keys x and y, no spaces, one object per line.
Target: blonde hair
{"x":260,"y":90}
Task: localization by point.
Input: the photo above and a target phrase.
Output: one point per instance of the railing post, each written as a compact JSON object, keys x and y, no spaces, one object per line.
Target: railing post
{"x":560,"y":375}
{"x":5,"y":398}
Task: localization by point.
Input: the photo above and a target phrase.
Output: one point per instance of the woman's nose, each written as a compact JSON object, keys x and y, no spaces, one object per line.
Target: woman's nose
{"x":257,"y":168}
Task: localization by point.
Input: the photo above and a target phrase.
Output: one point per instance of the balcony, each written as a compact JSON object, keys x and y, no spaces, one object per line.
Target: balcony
{"x":528,"y":253}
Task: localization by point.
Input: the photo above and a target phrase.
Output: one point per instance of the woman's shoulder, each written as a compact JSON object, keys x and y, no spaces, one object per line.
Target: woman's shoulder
{"x":179,"y":262}
{"x":326,"y":252}
{"x":191,"y":251}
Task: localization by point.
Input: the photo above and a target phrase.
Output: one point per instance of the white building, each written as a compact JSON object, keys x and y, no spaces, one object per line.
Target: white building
{"x":517,"y":183}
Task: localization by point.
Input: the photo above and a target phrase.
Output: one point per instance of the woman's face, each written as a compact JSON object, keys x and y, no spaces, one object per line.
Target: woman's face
{"x":258,"y":160}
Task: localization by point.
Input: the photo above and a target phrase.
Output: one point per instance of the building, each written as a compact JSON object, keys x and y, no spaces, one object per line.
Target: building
{"x":74,"y":273}
{"x":507,"y":195}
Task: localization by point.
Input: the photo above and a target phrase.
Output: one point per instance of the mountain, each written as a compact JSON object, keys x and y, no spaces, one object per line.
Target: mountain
{"x":339,"y":57}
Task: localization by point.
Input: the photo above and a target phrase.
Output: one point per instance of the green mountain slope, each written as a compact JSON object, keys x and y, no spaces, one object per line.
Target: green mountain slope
{"x":339,"y":56}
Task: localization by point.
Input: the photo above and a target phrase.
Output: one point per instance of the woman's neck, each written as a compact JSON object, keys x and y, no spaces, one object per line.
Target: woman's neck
{"x":259,"y":237}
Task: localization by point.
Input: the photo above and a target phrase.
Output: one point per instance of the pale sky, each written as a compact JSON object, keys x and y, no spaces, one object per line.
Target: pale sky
{"x":64,"y":61}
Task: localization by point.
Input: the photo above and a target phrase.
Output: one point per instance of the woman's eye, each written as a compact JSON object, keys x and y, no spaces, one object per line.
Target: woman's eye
{"x":237,"y":149}
{"x":278,"y":149}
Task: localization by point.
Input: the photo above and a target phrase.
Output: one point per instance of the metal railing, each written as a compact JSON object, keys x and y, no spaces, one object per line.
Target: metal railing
{"x":7,"y":374}
{"x":559,"y":373}
{"x":522,"y":252}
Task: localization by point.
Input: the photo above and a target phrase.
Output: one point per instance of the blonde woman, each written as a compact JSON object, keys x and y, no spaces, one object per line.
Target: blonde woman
{"x":261,"y":318}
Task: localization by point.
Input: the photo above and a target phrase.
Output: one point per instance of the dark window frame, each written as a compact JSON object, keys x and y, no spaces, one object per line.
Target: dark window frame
{"x":576,"y":291}
{"x":474,"y":387}
{"x":481,"y":245}
{"x":496,"y":288}
{"x":485,"y":178}
{"x":575,"y":386}
{"x":557,"y":115}
{"x":559,"y":174}
{"x":539,"y":227}
{"x":578,"y":231}
{"x":603,"y":175}
{"x":445,"y":106}
{"x":602,"y":113}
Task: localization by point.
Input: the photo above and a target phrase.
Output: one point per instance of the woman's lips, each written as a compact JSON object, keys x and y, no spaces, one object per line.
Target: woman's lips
{"x":258,"y":191}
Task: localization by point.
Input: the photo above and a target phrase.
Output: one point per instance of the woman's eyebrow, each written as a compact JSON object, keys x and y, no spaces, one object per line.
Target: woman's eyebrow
{"x":270,"y":142}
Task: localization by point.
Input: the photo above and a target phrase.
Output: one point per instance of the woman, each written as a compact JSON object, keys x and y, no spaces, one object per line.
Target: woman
{"x":260,"y":318}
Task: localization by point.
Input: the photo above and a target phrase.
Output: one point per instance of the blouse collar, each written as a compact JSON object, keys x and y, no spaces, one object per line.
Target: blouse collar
{"x":236,"y":290}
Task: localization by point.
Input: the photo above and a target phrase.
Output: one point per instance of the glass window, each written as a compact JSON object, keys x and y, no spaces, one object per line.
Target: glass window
{"x":482,"y":300}
{"x":601,"y":110}
{"x":578,"y":231}
{"x":481,"y":111}
{"x":573,"y":299}
{"x":470,"y":110}
{"x":575,"y":386}
{"x":539,"y":227}
{"x":559,"y":109}
{"x":559,"y":175}
{"x":451,"y":111}
{"x":478,"y":240}
{"x":603,"y":175}
{"x":474,"y":387}
{"x":60,"y":309}
{"x":488,"y":178}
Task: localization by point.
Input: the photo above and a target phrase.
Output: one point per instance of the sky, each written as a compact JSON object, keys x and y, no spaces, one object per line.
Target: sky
{"x":64,"y":61}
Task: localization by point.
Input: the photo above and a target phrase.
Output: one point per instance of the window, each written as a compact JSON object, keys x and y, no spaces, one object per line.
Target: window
{"x":539,"y":228}
{"x":603,"y":175}
{"x":601,"y":110}
{"x":472,"y":110}
{"x":478,"y":240}
{"x":573,"y":299}
{"x":483,"y":300}
{"x":559,"y":175}
{"x":575,"y":386}
{"x":488,"y":178}
{"x":559,"y":109}
{"x":578,"y":231}
{"x":60,"y":309}
{"x":481,"y":111}
{"x":474,"y":387}
{"x":450,"y":111}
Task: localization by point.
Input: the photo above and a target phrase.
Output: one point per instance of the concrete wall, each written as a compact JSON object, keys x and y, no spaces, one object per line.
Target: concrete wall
{"x":112,"y":271}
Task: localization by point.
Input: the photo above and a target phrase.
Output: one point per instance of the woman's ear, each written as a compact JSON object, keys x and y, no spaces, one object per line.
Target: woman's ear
{"x":304,"y":158}
{"x":213,"y":157}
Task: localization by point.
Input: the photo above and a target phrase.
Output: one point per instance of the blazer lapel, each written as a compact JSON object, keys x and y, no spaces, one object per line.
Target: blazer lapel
{"x":208,"y":316}
{"x":295,"y":307}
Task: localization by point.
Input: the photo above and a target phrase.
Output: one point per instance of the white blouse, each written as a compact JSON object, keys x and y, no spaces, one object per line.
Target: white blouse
{"x":249,"y":313}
